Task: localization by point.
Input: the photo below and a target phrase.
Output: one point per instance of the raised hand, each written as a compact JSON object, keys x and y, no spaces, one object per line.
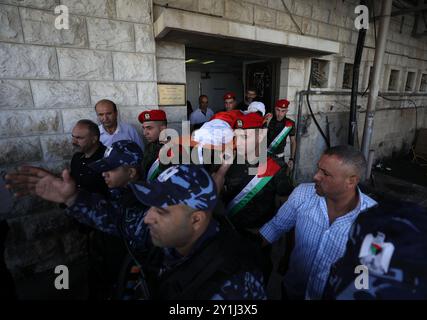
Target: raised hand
{"x":40,"y":182}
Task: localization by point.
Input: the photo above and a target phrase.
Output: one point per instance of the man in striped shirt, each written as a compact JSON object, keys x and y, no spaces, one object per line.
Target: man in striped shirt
{"x":322,"y":214}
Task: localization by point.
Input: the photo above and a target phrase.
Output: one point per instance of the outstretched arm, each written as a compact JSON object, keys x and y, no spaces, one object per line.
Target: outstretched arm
{"x":91,"y":209}
{"x":40,"y":182}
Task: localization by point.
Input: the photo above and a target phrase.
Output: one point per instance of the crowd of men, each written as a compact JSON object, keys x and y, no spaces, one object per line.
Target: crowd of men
{"x":198,"y":231}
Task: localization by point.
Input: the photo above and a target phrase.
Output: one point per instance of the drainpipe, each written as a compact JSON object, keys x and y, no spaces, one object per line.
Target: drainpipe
{"x":352,"y":128}
{"x":376,"y":73}
{"x":298,"y":134}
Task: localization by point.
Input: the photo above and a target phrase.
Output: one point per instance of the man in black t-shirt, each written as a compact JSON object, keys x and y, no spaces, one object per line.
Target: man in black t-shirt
{"x":104,"y":251}
{"x":85,"y":136}
{"x":250,"y":96}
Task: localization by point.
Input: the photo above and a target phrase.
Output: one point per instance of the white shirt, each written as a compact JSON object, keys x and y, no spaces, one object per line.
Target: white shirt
{"x":124,"y":131}
{"x":197,"y":116}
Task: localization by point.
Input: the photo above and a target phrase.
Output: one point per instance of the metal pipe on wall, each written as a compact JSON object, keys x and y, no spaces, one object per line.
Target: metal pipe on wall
{"x":370,"y":162}
{"x":352,"y":128}
{"x":302,"y":93}
{"x":376,"y":73}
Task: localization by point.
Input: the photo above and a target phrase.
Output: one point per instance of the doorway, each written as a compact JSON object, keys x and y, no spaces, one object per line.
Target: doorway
{"x":261,"y":77}
{"x":215,"y":73}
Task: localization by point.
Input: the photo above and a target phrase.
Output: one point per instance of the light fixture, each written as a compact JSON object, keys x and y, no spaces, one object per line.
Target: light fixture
{"x":190,"y":60}
{"x":208,"y":62}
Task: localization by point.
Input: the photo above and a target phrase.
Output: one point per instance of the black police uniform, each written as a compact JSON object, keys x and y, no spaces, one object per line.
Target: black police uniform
{"x":214,"y":261}
{"x":221,"y":264}
{"x":404,"y":276}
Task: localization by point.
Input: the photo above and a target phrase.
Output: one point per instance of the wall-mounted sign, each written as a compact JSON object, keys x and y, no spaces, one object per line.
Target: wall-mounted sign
{"x":171,"y":94}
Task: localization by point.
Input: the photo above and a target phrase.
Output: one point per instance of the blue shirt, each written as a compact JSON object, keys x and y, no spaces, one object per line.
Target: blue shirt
{"x":124,"y":131}
{"x":198,"y":117}
{"x":317,"y":244}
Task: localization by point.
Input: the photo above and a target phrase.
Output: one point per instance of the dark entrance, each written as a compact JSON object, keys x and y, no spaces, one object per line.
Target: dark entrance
{"x":263,"y":77}
{"x":214,"y":73}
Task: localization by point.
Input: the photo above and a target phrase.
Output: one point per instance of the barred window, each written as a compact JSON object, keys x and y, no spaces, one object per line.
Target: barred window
{"x":393,"y":80}
{"x":347,"y":79}
{"x":410,"y":81}
{"x":319,"y":73}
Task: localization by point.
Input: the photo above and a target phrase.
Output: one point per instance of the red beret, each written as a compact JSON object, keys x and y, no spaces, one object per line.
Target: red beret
{"x":282,"y":103}
{"x":229,"y":95}
{"x":249,"y":121}
{"x":152,"y":115}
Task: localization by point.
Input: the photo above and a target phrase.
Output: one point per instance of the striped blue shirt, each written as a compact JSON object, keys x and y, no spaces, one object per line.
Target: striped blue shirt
{"x":317,"y":244}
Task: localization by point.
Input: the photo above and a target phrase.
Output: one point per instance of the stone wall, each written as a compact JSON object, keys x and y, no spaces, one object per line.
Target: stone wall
{"x":49,"y":79}
{"x":334,"y":20}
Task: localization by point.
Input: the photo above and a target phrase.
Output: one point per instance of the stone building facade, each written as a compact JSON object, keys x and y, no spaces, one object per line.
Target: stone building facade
{"x":121,"y":49}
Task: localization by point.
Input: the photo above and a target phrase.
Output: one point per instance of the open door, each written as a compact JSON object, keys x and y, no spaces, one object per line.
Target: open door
{"x":262,"y":75}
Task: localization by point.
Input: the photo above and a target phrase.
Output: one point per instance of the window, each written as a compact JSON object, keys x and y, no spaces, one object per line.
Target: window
{"x":410,"y":81}
{"x":423,"y":84}
{"x":319,"y":73}
{"x":368,"y":83}
{"x":393,"y":80}
{"x":347,"y":79}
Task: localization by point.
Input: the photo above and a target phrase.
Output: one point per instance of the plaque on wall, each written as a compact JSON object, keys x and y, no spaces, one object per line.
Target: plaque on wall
{"x":171,"y":94}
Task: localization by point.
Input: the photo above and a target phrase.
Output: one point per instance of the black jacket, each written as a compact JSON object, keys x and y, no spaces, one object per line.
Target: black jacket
{"x":85,"y":177}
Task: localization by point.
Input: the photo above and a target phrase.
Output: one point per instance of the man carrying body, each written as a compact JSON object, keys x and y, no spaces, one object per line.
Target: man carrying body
{"x":111,"y":129}
{"x":153,"y":122}
{"x":230,"y":102}
{"x":279,"y":128}
{"x":250,"y":199}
